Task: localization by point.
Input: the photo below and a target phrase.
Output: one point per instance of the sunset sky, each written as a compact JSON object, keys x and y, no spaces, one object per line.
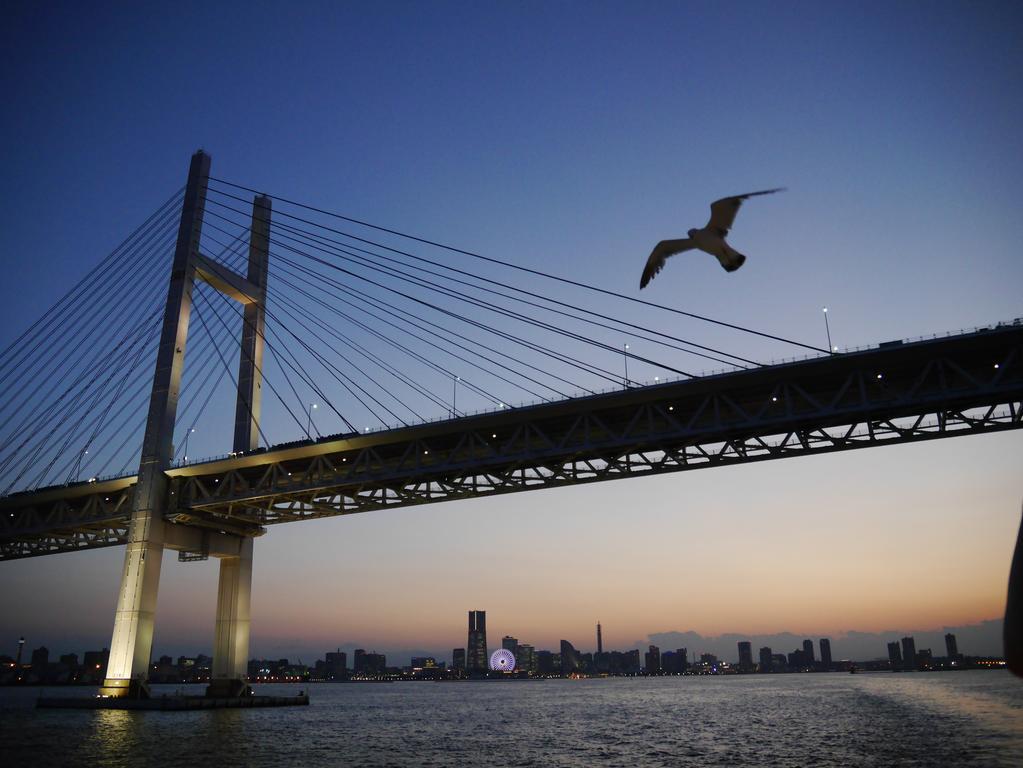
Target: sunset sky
{"x":568,"y":137}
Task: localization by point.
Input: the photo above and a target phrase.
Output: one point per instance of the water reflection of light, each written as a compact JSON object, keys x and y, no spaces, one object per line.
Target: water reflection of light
{"x":994,"y":709}
{"x":116,"y":734}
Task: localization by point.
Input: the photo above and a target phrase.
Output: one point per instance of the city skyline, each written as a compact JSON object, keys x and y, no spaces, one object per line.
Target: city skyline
{"x":545,"y":154}
{"x":982,"y":639}
{"x":514,"y":660}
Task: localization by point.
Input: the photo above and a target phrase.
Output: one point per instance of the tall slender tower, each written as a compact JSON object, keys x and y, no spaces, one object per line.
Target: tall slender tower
{"x":476,"y":655}
{"x":600,"y":640}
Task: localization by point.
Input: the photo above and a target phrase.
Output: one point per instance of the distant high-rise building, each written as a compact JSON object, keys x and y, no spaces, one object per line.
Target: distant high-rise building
{"x":825,"y":653}
{"x":40,"y":657}
{"x":745,"y":656}
{"x":951,"y":646}
{"x":894,"y":655}
{"x":336,"y":666}
{"x":808,"y":653}
{"x":600,"y":640}
{"x":458,"y":659}
{"x":672,"y":662}
{"x":797,"y":660}
{"x":765,"y":659}
{"x":652,"y":660}
{"x":909,"y":652}
{"x":525,"y":658}
{"x":510,"y":643}
{"x":476,"y":658}
{"x":69,"y":660}
{"x":548,"y":663}
{"x":95,"y":663}
{"x":683,"y":658}
{"x":569,"y":658}
{"x":366,"y":663}
{"x":21,"y":647}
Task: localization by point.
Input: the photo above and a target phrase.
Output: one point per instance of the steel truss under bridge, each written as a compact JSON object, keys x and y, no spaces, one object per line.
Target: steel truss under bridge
{"x":896,"y":393}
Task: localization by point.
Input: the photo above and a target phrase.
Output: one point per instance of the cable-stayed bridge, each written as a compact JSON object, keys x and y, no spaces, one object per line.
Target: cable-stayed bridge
{"x":320,"y":319}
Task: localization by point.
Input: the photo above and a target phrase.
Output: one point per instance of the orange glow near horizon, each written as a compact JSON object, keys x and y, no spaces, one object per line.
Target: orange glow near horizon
{"x":869,"y":542}
{"x":893,"y":539}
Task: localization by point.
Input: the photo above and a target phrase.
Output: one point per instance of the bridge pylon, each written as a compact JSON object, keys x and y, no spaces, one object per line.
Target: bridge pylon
{"x":149,"y":532}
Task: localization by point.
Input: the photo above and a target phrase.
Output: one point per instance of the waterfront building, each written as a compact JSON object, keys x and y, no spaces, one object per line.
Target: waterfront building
{"x":600,"y":640}
{"x":745,"y":656}
{"x":368,"y":663}
{"x":671,"y":663}
{"x":951,"y":647}
{"x":548,"y":663}
{"x":569,"y":659}
{"x":477,"y":659}
{"x":778,"y":662}
{"x":623,"y":663}
{"x":525,"y":658}
{"x":40,"y":658}
{"x":808,"y":659}
{"x":164,"y":671}
{"x":458,"y":659}
{"x":336,"y":666}
{"x":631,"y":661}
{"x":652,"y":660}
{"x":825,"y":644}
{"x":510,"y":643}
{"x":765,"y":659}
{"x":94,"y":664}
{"x":909,"y":652}
{"x":894,"y":655}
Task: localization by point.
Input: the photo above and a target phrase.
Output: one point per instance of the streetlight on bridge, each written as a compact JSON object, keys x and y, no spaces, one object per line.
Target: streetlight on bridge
{"x":827,"y":328}
{"x":309,"y":424}
{"x":78,"y":464}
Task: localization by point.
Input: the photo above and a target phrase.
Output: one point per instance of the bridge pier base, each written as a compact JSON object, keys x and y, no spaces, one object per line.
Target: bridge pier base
{"x":132,"y":642}
{"x":231,"y":636}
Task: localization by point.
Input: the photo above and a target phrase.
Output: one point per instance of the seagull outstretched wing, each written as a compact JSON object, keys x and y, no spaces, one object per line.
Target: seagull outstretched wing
{"x":722,"y":212}
{"x":660,"y":254}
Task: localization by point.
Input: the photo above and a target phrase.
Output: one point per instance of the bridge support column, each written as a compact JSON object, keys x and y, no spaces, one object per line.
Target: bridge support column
{"x":132,"y":641}
{"x":231,"y":637}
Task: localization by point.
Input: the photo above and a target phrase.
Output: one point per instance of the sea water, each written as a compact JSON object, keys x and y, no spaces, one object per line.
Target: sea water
{"x":907,"y":719}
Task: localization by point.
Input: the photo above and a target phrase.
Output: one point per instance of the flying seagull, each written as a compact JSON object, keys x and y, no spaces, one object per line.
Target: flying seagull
{"x":710,"y":239}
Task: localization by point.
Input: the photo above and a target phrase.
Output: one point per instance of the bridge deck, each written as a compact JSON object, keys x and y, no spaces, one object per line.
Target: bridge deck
{"x":897,"y":392}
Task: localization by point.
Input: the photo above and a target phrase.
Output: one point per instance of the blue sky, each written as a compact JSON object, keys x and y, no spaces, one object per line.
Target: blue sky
{"x":568,"y":137}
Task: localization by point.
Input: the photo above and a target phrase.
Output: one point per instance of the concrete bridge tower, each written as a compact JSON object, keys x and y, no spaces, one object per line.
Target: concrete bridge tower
{"x":149,"y":533}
